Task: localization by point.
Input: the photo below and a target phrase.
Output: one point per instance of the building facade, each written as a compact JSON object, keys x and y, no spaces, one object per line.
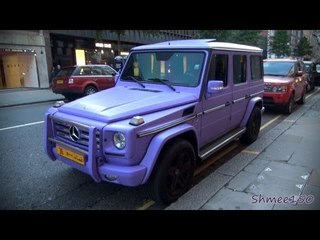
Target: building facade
{"x":28,"y":56}
{"x":23,"y":59}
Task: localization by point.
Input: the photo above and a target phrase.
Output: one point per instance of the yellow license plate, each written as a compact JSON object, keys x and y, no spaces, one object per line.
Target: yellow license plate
{"x":70,"y":155}
{"x":59,"y":81}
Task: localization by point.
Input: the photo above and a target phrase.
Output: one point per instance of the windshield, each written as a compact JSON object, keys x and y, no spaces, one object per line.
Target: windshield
{"x":278,"y":68}
{"x":173,"y":67}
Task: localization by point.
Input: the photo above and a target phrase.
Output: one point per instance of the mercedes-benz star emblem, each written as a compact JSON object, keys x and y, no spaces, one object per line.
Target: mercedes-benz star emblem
{"x":74,"y":133}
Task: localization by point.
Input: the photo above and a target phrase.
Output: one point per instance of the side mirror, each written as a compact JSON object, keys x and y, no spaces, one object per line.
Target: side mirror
{"x":214,"y":87}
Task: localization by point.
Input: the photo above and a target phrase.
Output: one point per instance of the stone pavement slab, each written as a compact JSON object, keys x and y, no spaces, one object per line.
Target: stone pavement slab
{"x":226,"y":199}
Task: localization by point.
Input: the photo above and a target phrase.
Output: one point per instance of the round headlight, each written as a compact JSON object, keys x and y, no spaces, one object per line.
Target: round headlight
{"x":119,"y":140}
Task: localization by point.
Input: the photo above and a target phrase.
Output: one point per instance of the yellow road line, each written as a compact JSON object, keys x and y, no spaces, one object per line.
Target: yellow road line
{"x":268,"y":123}
{"x":145,"y":206}
{"x":250,"y":152}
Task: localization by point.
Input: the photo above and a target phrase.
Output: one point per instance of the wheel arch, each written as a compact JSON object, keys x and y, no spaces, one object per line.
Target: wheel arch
{"x":256,"y":101}
{"x":162,"y":140}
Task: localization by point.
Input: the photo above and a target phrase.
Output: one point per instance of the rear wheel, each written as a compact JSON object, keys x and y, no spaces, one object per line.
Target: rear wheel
{"x":174,"y":174}
{"x":253,"y":126}
{"x":90,"y":90}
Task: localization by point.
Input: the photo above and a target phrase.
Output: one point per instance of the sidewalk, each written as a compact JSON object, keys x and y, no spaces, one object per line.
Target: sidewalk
{"x":281,"y":167}
{"x":22,"y":96}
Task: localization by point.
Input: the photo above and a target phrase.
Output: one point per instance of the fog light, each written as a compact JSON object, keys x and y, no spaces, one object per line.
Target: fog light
{"x":110,"y":177}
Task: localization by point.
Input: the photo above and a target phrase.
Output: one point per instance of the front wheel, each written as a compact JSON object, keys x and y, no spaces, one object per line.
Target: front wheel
{"x":174,"y":174}
{"x":253,"y":126}
{"x":289,"y":107}
{"x":302,"y":100}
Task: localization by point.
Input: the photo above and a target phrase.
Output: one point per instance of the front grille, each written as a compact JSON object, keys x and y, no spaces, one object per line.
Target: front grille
{"x":62,"y":132}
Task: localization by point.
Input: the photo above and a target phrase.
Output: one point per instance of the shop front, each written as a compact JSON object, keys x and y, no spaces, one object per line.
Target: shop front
{"x":18,"y":68}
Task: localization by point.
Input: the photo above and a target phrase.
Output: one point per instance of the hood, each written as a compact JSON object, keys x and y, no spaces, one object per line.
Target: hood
{"x":119,"y":103}
{"x":277,"y":79}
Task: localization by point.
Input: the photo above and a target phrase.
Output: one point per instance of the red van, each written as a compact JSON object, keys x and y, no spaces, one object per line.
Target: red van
{"x":84,"y":80}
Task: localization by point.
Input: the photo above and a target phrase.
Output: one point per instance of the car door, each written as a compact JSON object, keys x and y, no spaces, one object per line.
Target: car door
{"x":240,"y":88}
{"x":216,"y":107}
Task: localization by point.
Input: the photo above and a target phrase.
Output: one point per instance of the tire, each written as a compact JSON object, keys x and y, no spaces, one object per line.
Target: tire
{"x":90,"y":90}
{"x":253,"y":127}
{"x":288,"y":108}
{"x":173,"y":175}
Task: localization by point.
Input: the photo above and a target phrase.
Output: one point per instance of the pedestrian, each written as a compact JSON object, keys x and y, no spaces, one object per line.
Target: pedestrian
{"x":54,"y":72}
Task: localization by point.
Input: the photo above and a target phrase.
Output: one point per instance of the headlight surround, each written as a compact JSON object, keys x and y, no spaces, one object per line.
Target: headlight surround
{"x":119,"y":140}
{"x":279,"y":88}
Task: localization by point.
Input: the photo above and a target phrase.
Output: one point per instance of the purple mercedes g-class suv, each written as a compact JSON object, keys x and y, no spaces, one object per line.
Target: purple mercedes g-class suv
{"x":174,"y":104}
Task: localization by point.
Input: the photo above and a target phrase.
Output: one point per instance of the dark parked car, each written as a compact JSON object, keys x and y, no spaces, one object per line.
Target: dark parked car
{"x":78,"y":81}
{"x":313,"y":70}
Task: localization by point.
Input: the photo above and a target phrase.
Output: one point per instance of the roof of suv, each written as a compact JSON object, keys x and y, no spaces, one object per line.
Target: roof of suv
{"x":281,"y":60}
{"x":199,"y":43}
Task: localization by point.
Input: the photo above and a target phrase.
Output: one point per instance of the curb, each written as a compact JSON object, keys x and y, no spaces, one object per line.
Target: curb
{"x":29,"y":103}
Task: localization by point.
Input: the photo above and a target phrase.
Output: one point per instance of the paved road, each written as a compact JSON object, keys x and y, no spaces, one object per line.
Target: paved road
{"x":32,"y":181}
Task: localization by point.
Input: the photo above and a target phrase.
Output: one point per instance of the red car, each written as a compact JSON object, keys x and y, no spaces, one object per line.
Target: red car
{"x":285,"y":83}
{"x":78,"y":81}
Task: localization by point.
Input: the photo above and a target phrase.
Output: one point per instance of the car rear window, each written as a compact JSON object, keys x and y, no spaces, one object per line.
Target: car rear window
{"x":65,"y":72}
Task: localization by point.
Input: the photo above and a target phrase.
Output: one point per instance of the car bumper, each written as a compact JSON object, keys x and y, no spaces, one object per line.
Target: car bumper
{"x":274,"y":99}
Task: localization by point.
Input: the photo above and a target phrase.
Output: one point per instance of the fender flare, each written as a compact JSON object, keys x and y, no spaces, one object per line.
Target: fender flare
{"x":252,"y":103}
{"x":158,"y":142}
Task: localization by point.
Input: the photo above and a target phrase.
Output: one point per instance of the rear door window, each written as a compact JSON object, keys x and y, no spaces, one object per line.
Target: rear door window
{"x":83,"y":71}
{"x":239,"y":68}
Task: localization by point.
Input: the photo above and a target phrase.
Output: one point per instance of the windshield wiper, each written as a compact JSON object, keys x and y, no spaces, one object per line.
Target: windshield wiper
{"x":164,"y":81}
{"x":136,"y":80}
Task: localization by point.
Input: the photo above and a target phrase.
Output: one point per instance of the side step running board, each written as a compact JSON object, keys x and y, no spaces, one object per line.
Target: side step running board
{"x":221,"y":142}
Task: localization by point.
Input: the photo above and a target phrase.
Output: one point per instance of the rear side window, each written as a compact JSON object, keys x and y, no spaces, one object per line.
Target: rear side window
{"x":97,"y":71}
{"x":65,"y":72}
{"x":239,"y":68}
{"x":256,"y":67}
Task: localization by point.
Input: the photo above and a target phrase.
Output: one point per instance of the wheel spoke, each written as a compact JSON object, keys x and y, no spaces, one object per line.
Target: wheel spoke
{"x":173,"y":184}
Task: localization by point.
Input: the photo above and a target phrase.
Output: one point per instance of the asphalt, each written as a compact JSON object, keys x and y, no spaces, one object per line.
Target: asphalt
{"x":279,"y":171}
